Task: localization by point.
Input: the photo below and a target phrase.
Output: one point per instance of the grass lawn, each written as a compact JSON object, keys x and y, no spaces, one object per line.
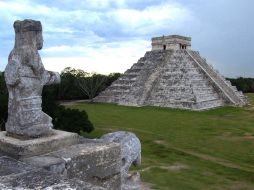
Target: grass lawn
{"x":185,"y":149}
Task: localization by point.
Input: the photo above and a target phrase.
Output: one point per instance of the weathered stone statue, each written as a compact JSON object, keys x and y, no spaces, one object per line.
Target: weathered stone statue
{"x":61,"y":160}
{"x":130,"y":155}
{"x":25,"y":77}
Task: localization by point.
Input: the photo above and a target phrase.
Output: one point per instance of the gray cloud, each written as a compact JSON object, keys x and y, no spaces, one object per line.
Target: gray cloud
{"x":221,"y":31}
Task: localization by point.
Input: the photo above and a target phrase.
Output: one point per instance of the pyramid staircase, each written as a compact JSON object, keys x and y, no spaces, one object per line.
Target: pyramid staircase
{"x":177,"y":78}
{"x":232,"y":94}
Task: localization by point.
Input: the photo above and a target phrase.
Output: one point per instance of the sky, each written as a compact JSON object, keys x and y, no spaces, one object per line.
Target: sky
{"x":106,"y":36}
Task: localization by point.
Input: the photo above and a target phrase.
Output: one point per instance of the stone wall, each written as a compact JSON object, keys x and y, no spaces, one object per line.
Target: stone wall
{"x":175,"y":42}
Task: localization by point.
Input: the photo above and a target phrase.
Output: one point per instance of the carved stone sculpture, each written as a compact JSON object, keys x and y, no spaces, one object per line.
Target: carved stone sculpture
{"x":25,"y":77}
{"x":130,"y":154}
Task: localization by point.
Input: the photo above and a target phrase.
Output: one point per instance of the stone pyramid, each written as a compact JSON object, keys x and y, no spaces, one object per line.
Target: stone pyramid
{"x":172,"y":75}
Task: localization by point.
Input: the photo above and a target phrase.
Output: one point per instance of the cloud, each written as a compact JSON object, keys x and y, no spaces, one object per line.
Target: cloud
{"x":155,"y":19}
{"x":122,"y":18}
{"x":99,"y":30}
{"x":152,"y":15}
{"x":91,"y":4}
{"x":26,"y":7}
{"x":108,"y":58}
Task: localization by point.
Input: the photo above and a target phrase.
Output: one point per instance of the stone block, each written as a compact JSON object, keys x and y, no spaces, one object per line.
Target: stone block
{"x":18,"y":148}
{"x":42,"y":179}
{"x":95,"y":163}
{"x":50,"y":163}
{"x":2,"y":154}
{"x":10,"y":166}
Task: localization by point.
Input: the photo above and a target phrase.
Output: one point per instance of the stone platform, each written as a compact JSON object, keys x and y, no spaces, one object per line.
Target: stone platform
{"x":96,"y":163}
{"x":62,"y":161}
{"x":16,"y":175}
{"x":18,"y":148}
{"x":32,"y":155}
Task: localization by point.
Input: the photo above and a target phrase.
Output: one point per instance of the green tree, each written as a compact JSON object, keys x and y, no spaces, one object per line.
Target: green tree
{"x":64,"y":118}
{"x":3,"y":102}
{"x":68,"y":89}
{"x":78,"y":84}
{"x":72,"y":120}
{"x":244,"y":84}
{"x":91,"y":85}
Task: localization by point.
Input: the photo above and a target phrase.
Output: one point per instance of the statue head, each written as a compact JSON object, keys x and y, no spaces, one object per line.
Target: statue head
{"x":28,"y":32}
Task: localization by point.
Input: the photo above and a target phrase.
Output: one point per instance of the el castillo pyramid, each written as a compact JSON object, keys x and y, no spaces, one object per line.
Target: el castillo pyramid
{"x":172,"y":75}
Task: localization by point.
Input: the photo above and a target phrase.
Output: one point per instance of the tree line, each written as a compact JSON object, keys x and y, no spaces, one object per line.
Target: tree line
{"x":246,"y":85}
{"x":78,"y":84}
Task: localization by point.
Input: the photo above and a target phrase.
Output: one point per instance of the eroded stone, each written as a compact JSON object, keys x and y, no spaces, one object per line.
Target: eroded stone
{"x":96,"y":163}
{"x":130,"y":148}
{"x":50,"y":163}
{"x":25,"y":77}
{"x":41,"y":179}
{"x":18,"y":148}
{"x":130,"y":155}
{"x":10,"y":166}
{"x":1,"y":154}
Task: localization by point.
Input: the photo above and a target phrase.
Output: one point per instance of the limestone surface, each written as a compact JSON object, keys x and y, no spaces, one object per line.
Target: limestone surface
{"x":97,"y":163}
{"x":130,"y":148}
{"x":88,"y":165}
{"x":130,"y":155}
{"x":172,"y":75}
{"x":27,"y":177}
{"x":25,"y":77}
{"x":19,"y":148}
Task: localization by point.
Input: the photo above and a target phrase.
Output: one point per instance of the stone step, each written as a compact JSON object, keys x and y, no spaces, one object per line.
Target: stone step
{"x":205,"y":105}
{"x":209,"y":97}
{"x":126,"y":80}
{"x":161,"y":76}
{"x":170,"y":97}
{"x":180,"y":105}
{"x":132,"y":75}
{"x":204,"y":89}
{"x":121,"y":87}
{"x":224,"y":86}
{"x":176,"y":96}
{"x":234,"y":88}
{"x":125,"y":83}
{"x":206,"y":94}
{"x":135,"y":70}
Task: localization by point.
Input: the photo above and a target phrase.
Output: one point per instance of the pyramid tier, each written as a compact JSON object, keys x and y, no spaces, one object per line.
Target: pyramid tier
{"x":172,"y":78}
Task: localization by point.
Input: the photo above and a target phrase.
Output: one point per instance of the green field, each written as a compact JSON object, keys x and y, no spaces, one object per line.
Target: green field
{"x":185,"y":149}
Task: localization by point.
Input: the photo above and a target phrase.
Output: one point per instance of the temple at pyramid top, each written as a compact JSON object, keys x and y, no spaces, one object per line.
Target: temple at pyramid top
{"x":174,"y":42}
{"x":172,"y":75}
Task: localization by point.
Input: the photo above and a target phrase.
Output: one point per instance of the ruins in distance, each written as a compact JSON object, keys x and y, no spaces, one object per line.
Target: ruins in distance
{"x":172,"y":75}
